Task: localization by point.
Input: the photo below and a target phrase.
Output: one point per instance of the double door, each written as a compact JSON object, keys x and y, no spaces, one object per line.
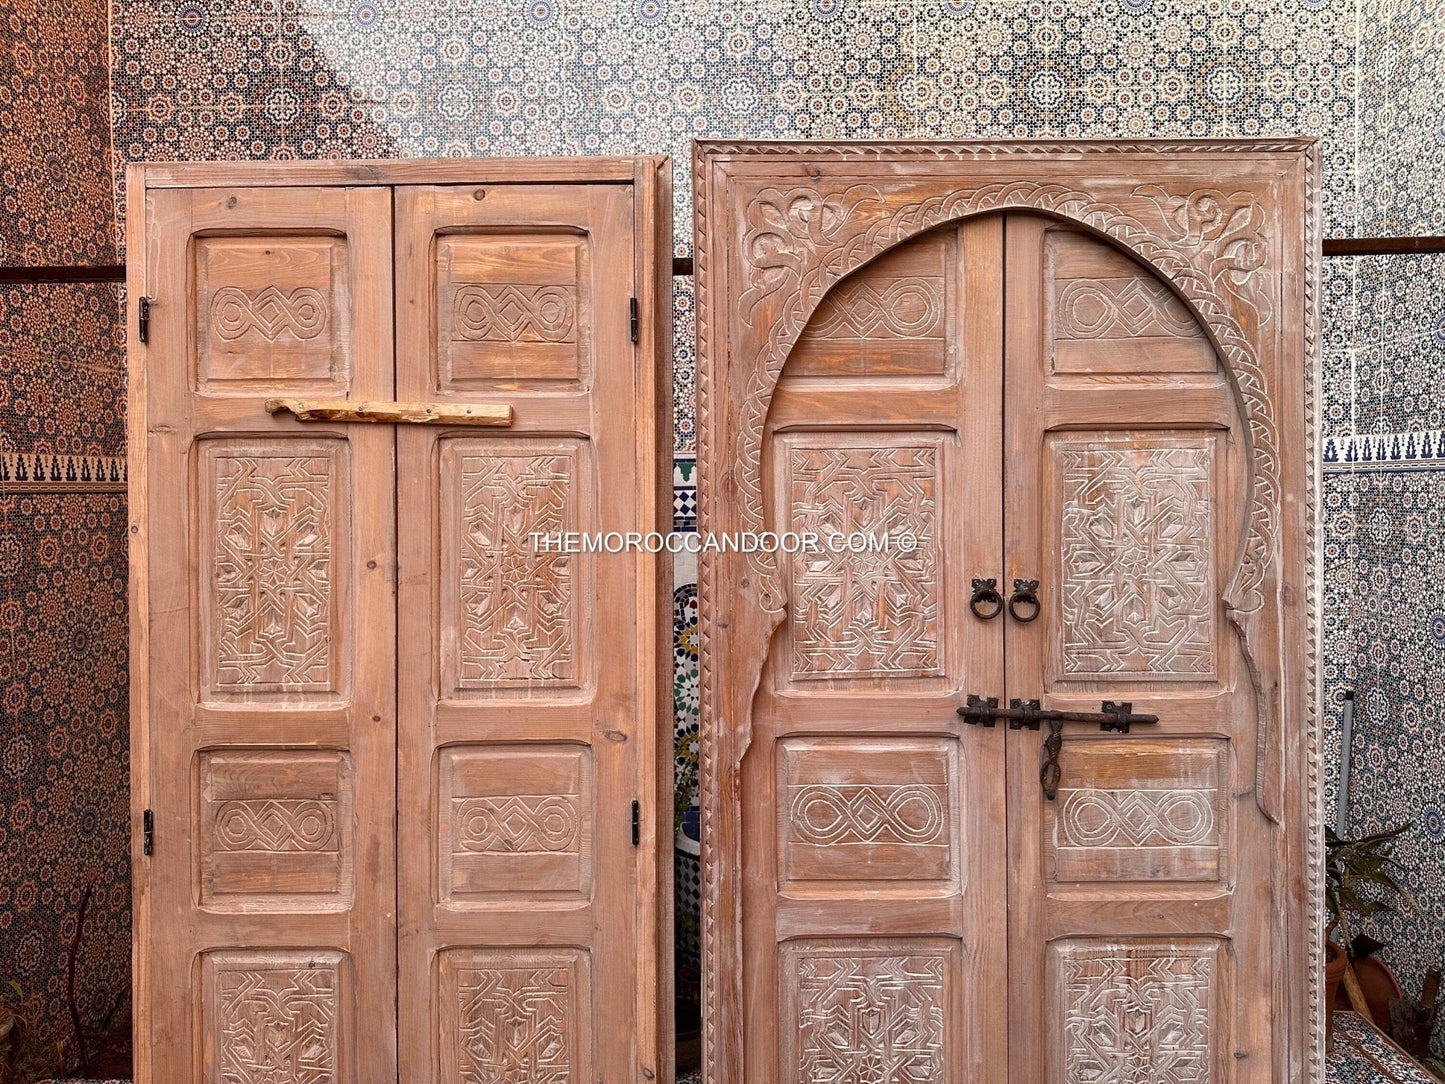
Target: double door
{"x":935,"y":889}
{"x":991,"y":782}
{"x":396,"y":759}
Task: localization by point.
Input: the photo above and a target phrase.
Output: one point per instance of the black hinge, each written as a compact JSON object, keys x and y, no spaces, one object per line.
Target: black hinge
{"x":143,"y":329}
{"x":147,"y":832}
{"x":632,"y":318}
{"x":636,"y":822}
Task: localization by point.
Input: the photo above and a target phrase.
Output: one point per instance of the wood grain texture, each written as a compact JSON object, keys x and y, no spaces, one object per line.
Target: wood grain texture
{"x":527,"y":674}
{"x":527,"y":734}
{"x":1219,"y":234}
{"x":267,"y":747}
{"x":344,"y":410}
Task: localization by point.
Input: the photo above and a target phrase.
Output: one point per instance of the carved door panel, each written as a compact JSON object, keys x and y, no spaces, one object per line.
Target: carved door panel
{"x":525,"y":731}
{"x":1137,"y":889}
{"x":873,"y":833}
{"x":264,"y":696}
{"x":1047,"y":370}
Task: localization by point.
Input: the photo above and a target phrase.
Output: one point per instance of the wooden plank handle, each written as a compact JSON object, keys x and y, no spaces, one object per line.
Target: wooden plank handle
{"x":351,"y":410}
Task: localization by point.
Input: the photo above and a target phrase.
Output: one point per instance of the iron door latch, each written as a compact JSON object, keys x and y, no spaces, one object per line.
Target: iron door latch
{"x":1029,"y":715}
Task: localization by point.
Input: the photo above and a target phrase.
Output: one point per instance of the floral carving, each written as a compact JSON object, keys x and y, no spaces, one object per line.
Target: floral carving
{"x":1212,"y":247}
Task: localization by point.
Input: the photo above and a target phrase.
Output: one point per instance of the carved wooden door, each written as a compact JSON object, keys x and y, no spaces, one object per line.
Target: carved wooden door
{"x":1137,"y":943}
{"x":522,"y":679}
{"x":400,"y":760}
{"x":265,"y":692}
{"x":1088,"y":390}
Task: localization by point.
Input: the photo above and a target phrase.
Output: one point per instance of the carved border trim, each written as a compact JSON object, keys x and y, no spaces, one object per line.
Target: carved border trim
{"x":1173,"y":263}
{"x":833,"y":248}
{"x":1314,"y":796}
{"x":800,"y":242}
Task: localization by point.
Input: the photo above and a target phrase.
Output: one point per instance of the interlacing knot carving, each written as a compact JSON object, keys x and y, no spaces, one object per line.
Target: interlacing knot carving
{"x":302,"y":313}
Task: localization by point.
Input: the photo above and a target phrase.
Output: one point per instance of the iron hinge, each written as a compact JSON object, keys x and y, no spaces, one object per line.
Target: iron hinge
{"x":143,"y":323}
{"x":636,"y":823}
{"x":147,"y":832}
{"x":632,"y":318}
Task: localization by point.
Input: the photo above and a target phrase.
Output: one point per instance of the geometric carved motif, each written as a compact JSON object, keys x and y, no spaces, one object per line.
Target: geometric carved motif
{"x":276,"y":826}
{"x":514,"y":1023}
{"x":1125,"y":308}
{"x":1136,"y":545}
{"x":515,"y":621}
{"x":275,"y":829}
{"x":514,"y":820}
{"x":272,"y":571}
{"x":274,"y":1022}
{"x":1136,"y":1012}
{"x":866,"y":1017}
{"x":880,"y":810}
{"x":873,"y":613}
{"x":301,"y":313}
{"x":1135,"y":818}
{"x":511,"y":823}
{"x":505,"y":312}
{"x":903,"y":308}
{"x":1142,"y":811}
{"x":911,"y":813}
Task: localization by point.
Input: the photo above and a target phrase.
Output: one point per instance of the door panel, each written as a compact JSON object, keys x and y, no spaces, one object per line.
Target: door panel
{"x":267,"y":711}
{"x":524,"y":739}
{"x":872,"y":916}
{"x":1129,"y":887}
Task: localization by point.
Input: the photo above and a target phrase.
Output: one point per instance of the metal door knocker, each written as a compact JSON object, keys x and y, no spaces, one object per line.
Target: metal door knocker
{"x":1025,"y":593}
{"x":986,"y":602}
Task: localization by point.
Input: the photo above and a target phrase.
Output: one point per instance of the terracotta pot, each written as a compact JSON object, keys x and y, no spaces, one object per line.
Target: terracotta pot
{"x":1334,"y":975}
{"x":1377,"y":983}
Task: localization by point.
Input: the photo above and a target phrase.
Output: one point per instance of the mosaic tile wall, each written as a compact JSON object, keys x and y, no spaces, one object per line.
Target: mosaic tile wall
{"x":54,"y":136}
{"x":64,"y":735}
{"x":202,"y":79}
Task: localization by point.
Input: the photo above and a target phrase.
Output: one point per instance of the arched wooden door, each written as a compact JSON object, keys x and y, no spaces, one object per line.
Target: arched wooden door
{"x":1043,"y":484}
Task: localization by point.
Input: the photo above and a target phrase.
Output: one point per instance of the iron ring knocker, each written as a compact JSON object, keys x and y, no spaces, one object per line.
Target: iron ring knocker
{"x":1025,"y":593}
{"x":985,"y":593}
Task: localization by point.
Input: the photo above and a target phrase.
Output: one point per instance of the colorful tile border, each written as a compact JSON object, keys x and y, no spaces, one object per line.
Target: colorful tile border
{"x":44,"y":472}
{"x":1411,"y":450}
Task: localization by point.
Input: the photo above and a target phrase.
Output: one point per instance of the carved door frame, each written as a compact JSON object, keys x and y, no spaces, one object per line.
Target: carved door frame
{"x":778,"y":224}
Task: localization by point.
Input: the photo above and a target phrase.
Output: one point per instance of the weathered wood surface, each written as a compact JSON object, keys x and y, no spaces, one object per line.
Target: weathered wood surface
{"x":344,"y":410}
{"x":1044,"y":368}
{"x":391,"y":749}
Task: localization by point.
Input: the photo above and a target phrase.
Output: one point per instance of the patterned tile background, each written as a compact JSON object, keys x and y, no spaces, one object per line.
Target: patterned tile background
{"x":64,"y":734}
{"x":207,"y":79}
{"x":54,"y":134}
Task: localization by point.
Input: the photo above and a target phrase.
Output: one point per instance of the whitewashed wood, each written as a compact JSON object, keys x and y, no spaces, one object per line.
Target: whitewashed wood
{"x":778,"y":228}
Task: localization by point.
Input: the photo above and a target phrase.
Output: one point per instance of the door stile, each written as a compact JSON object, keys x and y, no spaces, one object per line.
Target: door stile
{"x":1022,"y":657}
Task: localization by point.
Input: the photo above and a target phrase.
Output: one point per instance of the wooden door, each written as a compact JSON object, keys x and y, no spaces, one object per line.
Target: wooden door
{"x":1137,"y":947}
{"x":873,"y":824}
{"x":398,"y":764}
{"x":264,"y":695}
{"x":1088,"y":389}
{"x":526,"y":731}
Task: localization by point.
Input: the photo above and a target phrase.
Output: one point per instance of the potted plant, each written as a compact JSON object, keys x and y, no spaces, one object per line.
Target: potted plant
{"x":1362,"y":879}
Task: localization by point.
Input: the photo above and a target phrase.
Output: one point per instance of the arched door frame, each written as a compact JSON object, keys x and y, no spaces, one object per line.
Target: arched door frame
{"x":1232,"y":226}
